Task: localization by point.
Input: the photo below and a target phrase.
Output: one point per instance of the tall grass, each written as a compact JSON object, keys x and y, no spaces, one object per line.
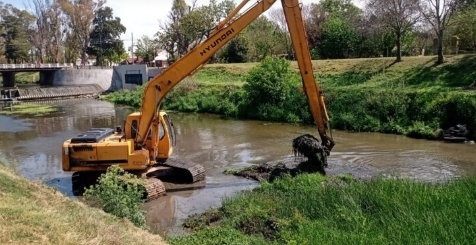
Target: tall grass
{"x":33,"y":213}
{"x":317,"y":210}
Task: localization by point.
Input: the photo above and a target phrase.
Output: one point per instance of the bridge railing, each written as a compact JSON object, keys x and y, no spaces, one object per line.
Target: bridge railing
{"x":35,"y":66}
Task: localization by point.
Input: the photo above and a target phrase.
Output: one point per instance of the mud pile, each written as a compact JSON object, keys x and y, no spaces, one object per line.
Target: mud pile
{"x":303,"y":146}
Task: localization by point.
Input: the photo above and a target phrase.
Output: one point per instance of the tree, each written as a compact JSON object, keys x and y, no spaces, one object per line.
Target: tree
{"x":277,"y":16}
{"x":338,"y":39}
{"x":146,"y":48}
{"x":105,"y":38}
{"x":58,"y":27}
{"x":465,"y":26}
{"x":49,"y":30}
{"x":188,"y":25}
{"x":17,"y":26}
{"x":80,"y":16}
{"x":263,"y":37}
{"x":41,"y":34}
{"x":398,"y":15}
{"x":236,"y":50}
{"x":318,"y":14}
{"x":438,"y":13}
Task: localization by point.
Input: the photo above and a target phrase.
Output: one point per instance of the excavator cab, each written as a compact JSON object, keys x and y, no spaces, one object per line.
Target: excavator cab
{"x":161,"y":136}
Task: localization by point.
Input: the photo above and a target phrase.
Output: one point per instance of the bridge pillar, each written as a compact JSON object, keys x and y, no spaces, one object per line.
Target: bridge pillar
{"x":47,"y":77}
{"x":8,"y":79}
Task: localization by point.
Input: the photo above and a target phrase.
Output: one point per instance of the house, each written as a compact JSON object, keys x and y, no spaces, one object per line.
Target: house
{"x":161,"y":60}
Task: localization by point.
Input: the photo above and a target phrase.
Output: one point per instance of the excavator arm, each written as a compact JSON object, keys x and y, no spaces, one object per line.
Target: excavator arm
{"x":145,"y":146}
{"x":159,"y":86}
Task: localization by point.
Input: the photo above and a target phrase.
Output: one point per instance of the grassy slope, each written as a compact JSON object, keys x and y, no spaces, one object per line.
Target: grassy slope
{"x":31,"y":213}
{"x":416,"y":72}
{"x":314,"y":210}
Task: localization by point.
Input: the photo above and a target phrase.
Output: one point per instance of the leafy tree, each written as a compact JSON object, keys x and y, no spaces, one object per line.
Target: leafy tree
{"x":49,"y":30}
{"x":319,"y":14}
{"x":264,"y":36}
{"x":16,"y":33}
{"x":79,"y":15}
{"x":465,"y":26}
{"x":398,"y":15}
{"x":187,"y":26}
{"x":236,"y":50}
{"x":277,"y":16}
{"x":338,"y":39}
{"x":105,"y":37}
{"x":118,"y":57}
{"x":146,"y":48}
{"x":438,"y":13}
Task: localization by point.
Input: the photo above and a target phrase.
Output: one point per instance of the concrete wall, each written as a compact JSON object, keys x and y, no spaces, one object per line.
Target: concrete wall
{"x":152,"y":72}
{"x":109,"y":79}
{"x":121,"y":71}
{"x":102,"y":77}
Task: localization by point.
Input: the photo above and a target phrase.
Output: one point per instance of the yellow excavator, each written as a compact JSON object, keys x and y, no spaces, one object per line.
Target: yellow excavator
{"x":145,"y":146}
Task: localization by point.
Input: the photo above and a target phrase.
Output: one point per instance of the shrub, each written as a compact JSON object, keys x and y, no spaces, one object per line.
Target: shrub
{"x":119,"y":193}
{"x":272,"y":92}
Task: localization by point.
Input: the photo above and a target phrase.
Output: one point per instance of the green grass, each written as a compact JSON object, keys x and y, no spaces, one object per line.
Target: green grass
{"x":26,"y":77}
{"x":28,"y":109}
{"x":32,"y":213}
{"x":311,"y":209}
{"x":413,"y":72}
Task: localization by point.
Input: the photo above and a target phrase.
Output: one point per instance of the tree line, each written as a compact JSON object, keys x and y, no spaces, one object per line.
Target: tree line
{"x":335,"y":28}
{"x":60,"y":31}
{"x":68,"y":30}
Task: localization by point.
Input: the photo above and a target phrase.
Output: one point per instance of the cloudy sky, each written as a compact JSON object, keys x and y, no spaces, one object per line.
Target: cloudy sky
{"x":141,"y":17}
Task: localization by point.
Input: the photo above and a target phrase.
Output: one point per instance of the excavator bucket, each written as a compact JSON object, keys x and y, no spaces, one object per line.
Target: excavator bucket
{"x":309,"y":146}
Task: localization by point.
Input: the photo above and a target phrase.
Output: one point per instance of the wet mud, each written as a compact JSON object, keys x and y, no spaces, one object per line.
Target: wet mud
{"x":271,"y":171}
{"x":306,"y":146}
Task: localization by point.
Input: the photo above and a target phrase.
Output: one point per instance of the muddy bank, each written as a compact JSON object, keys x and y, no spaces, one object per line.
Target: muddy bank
{"x":269,"y":171}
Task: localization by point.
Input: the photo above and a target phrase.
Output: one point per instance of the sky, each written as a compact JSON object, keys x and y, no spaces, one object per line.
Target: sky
{"x":142,"y":17}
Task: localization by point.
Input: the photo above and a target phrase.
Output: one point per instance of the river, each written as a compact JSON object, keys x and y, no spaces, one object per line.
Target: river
{"x":32,"y":146}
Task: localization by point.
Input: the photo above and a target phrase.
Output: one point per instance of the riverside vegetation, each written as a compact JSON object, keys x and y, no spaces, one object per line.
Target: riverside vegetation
{"x":313,"y":209}
{"x":413,"y":97}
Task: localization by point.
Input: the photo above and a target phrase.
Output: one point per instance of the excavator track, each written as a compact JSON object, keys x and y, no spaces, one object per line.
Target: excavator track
{"x":154,"y":188}
{"x":195,"y":171}
{"x":178,"y":171}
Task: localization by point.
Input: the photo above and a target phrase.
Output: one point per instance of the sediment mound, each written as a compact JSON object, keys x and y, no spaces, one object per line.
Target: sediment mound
{"x":305,"y":145}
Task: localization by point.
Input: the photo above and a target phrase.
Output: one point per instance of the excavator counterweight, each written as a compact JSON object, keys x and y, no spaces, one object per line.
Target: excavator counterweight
{"x":146,"y":145}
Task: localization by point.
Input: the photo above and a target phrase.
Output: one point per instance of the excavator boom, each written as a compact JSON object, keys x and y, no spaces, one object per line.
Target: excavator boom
{"x":146,"y":144}
{"x":159,"y":86}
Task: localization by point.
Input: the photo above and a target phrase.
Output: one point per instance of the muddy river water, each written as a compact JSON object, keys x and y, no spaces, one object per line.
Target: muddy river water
{"x":32,"y":146}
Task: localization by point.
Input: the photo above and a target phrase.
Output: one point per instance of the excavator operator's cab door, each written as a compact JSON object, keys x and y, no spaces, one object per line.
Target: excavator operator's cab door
{"x":170,"y":129}
{"x":166,"y":137}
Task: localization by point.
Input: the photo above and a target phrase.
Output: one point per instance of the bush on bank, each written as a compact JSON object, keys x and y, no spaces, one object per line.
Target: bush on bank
{"x":271,"y":93}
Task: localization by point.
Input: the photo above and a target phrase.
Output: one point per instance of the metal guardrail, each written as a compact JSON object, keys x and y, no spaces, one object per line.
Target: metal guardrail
{"x":35,"y":66}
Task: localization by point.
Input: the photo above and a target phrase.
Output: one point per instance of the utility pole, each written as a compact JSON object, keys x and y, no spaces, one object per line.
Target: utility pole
{"x":132,"y":48}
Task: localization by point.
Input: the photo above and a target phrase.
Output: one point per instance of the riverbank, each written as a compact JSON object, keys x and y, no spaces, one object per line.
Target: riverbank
{"x":32,"y":213}
{"x":413,"y":97}
{"x":340,"y":210}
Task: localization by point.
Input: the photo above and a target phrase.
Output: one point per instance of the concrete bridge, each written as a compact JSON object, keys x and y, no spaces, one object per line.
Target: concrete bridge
{"x":47,"y":72}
